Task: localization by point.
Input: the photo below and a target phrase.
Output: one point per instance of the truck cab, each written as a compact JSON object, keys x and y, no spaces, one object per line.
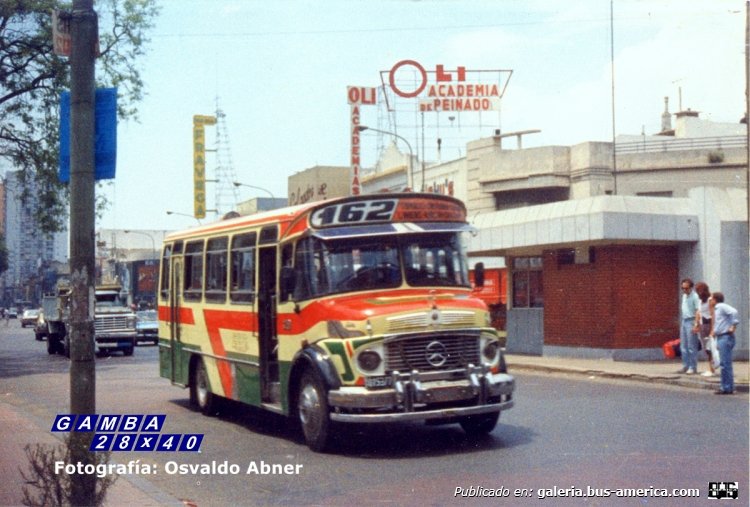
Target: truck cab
{"x":114,"y":321}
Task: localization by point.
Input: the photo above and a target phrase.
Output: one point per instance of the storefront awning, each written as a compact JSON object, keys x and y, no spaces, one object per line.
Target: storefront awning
{"x":600,"y":219}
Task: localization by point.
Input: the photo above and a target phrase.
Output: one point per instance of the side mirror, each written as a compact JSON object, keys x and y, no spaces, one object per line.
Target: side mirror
{"x":479,"y":274}
{"x":288,"y":279}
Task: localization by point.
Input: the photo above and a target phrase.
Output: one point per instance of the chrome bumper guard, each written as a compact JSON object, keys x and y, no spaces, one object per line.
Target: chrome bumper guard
{"x":412,"y":393}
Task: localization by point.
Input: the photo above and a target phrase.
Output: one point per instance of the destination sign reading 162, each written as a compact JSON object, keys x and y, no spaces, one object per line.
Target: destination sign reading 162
{"x":380,"y":210}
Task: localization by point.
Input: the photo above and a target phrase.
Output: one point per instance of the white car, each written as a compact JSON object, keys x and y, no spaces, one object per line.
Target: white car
{"x":29,"y":317}
{"x":147,"y":326}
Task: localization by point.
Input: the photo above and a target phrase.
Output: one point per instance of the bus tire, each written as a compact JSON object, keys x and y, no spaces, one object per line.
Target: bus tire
{"x":52,"y":343}
{"x":200,"y":392}
{"x":481,"y":424}
{"x":313,"y":410}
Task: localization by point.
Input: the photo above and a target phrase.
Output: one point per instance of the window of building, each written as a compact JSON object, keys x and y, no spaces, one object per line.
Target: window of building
{"x":216,"y":270}
{"x":665,"y":193}
{"x":242,"y":278}
{"x":527,"y":282}
{"x":580,"y":255}
{"x":193,"y":271}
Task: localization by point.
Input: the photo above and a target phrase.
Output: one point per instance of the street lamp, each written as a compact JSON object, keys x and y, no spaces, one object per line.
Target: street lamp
{"x":240,"y":184}
{"x":153,"y":243}
{"x":410,"y":176}
{"x":185,"y":215}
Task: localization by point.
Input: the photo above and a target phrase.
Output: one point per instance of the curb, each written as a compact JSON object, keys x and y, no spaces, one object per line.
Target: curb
{"x":675,"y":380}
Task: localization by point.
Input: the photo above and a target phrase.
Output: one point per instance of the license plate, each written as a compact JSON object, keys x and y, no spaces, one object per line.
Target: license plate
{"x":375,"y":382}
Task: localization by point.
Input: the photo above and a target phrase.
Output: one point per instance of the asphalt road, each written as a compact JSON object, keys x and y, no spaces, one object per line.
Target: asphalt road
{"x":565,"y":436}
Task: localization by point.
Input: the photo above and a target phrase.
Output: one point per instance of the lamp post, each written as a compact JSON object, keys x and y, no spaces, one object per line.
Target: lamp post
{"x":185,"y":215}
{"x":153,"y":243}
{"x":410,"y":176}
{"x":240,"y":184}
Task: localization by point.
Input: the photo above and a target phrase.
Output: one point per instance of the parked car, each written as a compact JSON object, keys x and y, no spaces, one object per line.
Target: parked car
{"x":28,"y":318}
{"x":40,"y":327}
{"x":147,"y":326}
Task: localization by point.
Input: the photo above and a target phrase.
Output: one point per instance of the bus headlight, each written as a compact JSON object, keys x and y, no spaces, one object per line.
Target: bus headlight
{"x":490,"y":350}
{"x":368,"y":360}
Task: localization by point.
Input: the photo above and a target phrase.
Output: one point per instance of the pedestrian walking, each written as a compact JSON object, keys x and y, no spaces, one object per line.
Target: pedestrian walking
{"x":724,"y":325}
{"x":704,"y":320}
{"x":689,"y":327}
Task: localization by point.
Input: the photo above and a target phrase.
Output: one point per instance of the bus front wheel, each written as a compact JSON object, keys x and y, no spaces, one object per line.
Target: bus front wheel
{"x":200,"y":393}
{"x":312,"y":409}
{"x":482,"y":424}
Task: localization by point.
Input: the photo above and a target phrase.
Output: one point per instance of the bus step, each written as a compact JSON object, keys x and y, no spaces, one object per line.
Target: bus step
{"x":274,"y":392}
{"x":273,"y":407}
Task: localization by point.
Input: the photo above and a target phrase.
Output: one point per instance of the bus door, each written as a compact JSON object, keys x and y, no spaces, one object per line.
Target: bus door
{"x":267,"y":337}
{"x":175,"y":298}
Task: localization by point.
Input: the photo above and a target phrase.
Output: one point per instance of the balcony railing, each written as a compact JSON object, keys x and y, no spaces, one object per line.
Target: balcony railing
{"x":680,"y":144}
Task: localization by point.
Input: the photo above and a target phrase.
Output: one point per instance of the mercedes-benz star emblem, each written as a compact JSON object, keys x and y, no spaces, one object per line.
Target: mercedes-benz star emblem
{"x":436,"y":354}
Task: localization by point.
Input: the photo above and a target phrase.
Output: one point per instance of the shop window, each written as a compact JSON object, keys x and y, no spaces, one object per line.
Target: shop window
{"x":527,"y":282}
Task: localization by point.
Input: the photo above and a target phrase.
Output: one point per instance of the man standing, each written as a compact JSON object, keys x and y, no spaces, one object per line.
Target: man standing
{"x":689,"y":328}
{"x":724,"y":325}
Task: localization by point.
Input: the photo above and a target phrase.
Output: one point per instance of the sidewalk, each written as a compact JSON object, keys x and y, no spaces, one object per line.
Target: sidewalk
{"x":663,"y":372}
{"x":19,"y":429}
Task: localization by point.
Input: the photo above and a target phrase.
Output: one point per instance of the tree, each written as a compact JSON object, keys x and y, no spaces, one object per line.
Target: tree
{"x":32,"y":77}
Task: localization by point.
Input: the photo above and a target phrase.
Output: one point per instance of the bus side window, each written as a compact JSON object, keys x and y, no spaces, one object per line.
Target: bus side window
{"x":216,"y":270}
{"x":166,"y":270}
{"x":286,"y":276}
{"x":193,"y":271}
{"x":242,"y":268}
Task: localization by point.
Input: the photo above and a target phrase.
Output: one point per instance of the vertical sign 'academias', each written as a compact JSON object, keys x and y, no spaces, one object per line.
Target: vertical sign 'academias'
{"x":199,"y":163}
{"x":357,"y":96}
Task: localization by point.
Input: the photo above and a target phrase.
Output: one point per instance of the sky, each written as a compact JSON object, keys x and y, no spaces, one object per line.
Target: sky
{"x":279,"y":71}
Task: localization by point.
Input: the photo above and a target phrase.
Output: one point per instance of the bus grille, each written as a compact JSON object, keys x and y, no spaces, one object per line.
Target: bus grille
{"x":419,"y":320}
{"x":110,"y":323}
{"x":431,"y":352}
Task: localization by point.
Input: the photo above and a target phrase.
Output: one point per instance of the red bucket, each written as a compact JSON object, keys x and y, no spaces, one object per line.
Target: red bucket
{"x":671,"y":349}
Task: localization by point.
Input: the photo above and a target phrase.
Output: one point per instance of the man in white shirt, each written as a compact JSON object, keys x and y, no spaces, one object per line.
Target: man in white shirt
{"x":724,"y":325}
{"x":688,"y":329}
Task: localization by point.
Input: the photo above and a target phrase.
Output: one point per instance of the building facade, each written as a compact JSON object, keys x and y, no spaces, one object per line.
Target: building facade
{"x":597,"y":236}
{"x":33,"y":257}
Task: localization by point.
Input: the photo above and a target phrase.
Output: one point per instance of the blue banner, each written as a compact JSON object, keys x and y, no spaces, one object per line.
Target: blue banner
{"x":105,"y":144}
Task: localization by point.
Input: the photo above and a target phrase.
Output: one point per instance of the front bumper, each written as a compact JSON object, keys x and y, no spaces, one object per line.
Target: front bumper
{"x":116,"y":341}
{"x":423,"y":396}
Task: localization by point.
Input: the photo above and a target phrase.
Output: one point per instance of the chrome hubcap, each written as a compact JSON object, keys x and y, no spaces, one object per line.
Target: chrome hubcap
{"x":309,"y":406}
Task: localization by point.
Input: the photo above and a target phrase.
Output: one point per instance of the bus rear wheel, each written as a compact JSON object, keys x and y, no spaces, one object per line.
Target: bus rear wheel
{"x":200,"y":393}
{"x":312,"y":410}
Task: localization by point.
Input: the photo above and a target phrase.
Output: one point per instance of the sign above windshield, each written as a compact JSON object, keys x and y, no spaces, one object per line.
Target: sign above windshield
{"x":383,"y":210}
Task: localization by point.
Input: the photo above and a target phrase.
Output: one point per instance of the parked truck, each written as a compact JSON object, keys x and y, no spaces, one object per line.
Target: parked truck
{"x":114,"y":321}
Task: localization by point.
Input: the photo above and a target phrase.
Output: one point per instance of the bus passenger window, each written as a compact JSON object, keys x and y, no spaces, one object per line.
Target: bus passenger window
{"x":216,"y":270}
{"x":242,"y":274}
{"x":193,"y":271}
{"x":165,"y":272}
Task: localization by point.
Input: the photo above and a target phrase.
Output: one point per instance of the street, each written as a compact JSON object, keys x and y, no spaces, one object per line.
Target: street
{"x":566,"y":436}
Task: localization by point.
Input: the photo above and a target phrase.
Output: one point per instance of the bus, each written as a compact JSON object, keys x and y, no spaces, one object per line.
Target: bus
{"x":351,"y":310}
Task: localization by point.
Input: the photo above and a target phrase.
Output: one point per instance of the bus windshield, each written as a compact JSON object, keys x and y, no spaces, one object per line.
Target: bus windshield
{"x":345,"y":265}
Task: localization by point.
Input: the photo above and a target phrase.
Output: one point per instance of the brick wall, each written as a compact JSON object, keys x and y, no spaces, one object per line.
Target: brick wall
{"x":626,"y":298}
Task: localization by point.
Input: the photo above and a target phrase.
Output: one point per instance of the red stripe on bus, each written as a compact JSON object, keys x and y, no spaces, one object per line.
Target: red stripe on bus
{"x":185,"y":315}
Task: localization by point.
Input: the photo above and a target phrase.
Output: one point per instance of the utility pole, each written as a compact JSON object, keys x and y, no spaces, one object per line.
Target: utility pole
{"x":83,"y":31}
